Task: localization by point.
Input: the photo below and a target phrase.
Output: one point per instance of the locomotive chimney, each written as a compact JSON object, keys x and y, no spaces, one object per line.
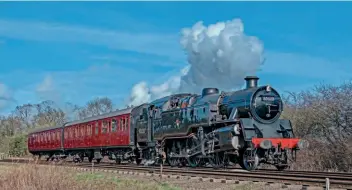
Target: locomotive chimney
{"x":251,"y":81}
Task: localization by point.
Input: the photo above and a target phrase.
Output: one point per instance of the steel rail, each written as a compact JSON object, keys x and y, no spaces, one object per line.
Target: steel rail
{"x":317,"y":179}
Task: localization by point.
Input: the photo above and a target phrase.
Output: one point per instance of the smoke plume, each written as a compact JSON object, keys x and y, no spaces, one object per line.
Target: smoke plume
{"x":219,"y":55}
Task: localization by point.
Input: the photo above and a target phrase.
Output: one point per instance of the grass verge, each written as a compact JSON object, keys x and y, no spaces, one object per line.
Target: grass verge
{"x":35,"y":177}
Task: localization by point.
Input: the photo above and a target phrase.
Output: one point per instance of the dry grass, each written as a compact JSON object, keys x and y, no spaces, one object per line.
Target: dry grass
{"x":41,"y":177}
{"x":35,"y":177}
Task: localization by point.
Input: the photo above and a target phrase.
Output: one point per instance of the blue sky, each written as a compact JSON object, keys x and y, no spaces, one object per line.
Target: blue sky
{"x":76,"y":51}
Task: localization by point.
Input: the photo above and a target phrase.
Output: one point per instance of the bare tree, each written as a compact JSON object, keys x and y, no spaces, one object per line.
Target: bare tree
{"x":48,"y":115}
{"x":25,"y":113}
{"x":95,"y":107}
{"x":323,"y":116}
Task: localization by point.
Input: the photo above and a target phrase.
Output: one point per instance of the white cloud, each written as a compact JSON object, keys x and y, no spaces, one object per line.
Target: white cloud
{"x":303,"y":65}
{"x":219,"y":55}
{"x":46,"y":89}
{"x":46,"y":85}
{"x":152,"y":43}
{"x":80,"y":86}
{"x":6,"y":96}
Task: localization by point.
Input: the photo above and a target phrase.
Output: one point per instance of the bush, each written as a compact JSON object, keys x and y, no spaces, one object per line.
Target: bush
{"x":18,"y":145}
{"x":4,"y":144}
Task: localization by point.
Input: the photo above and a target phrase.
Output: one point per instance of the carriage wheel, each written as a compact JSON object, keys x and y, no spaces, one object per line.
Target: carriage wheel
{"x":118,"y":161}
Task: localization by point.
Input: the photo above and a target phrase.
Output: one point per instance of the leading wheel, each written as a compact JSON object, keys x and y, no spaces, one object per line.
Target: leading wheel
{"x":249,"y":160}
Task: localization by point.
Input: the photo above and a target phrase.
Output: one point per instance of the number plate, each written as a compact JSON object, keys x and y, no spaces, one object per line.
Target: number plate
{"x":268,"y":98}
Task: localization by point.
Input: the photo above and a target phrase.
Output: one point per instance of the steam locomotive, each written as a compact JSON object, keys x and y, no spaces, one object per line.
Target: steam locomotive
{"x":184,"y":129}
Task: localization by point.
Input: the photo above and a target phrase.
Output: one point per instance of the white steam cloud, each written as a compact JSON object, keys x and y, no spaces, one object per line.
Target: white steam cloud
{"x":219,"y":55}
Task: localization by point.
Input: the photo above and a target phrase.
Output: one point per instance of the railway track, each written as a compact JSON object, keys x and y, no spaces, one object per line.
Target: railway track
{"x":304,"y":178}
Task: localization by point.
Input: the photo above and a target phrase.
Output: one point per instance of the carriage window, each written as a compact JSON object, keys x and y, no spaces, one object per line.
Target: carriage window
{"x":89,"y":130}
{"x":82,"y":130}
{"x":127,"y":122}
{"x":96,"y":128}
{"x":105,"y":127}
{"x":113,"y":125}
{"x":120,"y":126}
{"x":123,"y":124}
